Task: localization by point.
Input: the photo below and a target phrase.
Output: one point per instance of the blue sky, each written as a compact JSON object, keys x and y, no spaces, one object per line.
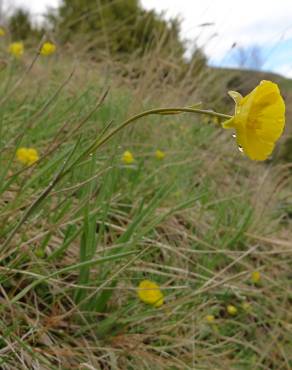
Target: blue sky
{"x":264,"y":25}
{"x":281,"y":58}
{"x":276,"y":57}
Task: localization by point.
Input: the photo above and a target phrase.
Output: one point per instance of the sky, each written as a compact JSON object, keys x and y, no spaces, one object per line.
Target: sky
{"x":250,"y":26}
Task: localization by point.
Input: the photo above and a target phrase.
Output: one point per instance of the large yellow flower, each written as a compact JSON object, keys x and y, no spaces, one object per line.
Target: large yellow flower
{"x":259,"y":120}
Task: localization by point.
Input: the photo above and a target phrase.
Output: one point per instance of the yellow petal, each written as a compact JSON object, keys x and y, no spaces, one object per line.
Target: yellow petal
{"x":236,"y":96}
{"x":230,"y":123}
{"x":254,"y":147}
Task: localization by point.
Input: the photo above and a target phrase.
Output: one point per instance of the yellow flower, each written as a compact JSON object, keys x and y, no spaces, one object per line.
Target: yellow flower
{"x":32,"y":155}
{"x":210,"y":318}
{"x":48,"y":48}
{"x":246,"y":306}
{"x":150,"y":293}
{"x":128,"y":157}
{"x":2,"y":32}
{"x":159,"y":154}
{"x":16,"y":49}
{"x":27,"y":156}
{"x":255,"y":276}
{"x":21,"y":155}
{"x":259,"y":120}
{"x":232,"y":310}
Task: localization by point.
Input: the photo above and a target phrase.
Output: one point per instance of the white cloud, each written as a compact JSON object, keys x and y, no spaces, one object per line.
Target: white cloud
{"x":248,"y":22}
{"x":37,"y":7}
{"x":284,"y":70}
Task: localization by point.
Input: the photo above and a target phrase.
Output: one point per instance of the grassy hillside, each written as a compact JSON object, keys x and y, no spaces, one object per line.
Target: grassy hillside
{"x":80,"y":229}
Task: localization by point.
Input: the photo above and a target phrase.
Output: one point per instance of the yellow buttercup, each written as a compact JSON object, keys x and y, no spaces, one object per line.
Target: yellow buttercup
{"x":48,"y":48}
{"x":255,"y":277}
{"x":159,"y":154}
{"x":16,"y":49}
{"x":128,"y":157}
{"x":150,"y":293}
{"x":27,"y":156}
{"x":259,"y":120}
{"x":232,"y":310}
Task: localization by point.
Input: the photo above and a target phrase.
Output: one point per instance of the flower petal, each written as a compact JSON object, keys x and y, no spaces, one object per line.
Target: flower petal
{"x":254,"y":147}
{"x":230,"y":123}
{"x":236,"y":96}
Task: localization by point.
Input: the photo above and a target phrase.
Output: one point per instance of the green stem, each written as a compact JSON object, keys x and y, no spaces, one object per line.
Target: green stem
{"x":97,"y":144}
{"x":126,"y":123}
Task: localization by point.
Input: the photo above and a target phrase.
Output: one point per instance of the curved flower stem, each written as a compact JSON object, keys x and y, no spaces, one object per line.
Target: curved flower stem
{"x":97,"y":144}
{"x":163,"y":111}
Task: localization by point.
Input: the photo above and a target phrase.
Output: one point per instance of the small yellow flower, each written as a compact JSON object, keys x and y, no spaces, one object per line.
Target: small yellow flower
{"x":246,"y":306}
{"x":232,"y":310}
{"x":2,"y":32}
{"x":27,"y":156}
{"x":150,"y":293}
{"x":21,"y":155}
{"x":128,"y":157}
{"x":16,"y":49}
{"x":255,"y":277}
{"x":210,"y":318}
{"x":159,"y":154}
{"x":48,"y":48}
{"x":259,"y":120}
{"x":32,"y":155}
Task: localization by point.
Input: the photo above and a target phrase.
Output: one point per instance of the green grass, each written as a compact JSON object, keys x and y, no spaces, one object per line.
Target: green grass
{"x":78,"y":234}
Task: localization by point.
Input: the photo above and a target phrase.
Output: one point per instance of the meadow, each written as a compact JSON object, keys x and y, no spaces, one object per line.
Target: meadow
{"x":169,"y":199}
